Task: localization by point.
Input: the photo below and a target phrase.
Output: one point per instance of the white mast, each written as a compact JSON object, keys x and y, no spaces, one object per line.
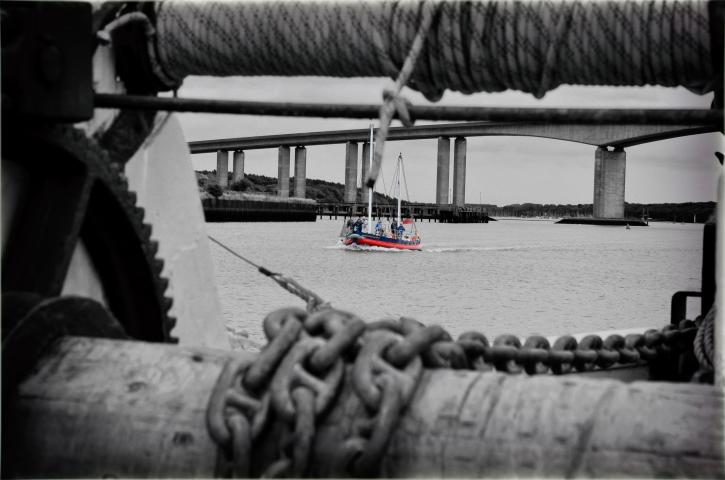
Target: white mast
{"x":370,"y":189}
{"x":397,"y":174}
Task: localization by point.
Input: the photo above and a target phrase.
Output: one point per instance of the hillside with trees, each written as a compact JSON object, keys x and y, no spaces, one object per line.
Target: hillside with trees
{"x":330,"y":192}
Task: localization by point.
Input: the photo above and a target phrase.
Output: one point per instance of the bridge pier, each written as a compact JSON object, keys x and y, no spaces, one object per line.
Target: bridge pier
{"x":365,"y":161}
{"x":222,"y":167}
{"x":350,"y":172}
{"x":283,"y":172}
{"x":443,"y":170}
{"x":238,"y":166}
{"x":300,"y":172}
{"x":609,"y":175}
{"x":459,"y":172}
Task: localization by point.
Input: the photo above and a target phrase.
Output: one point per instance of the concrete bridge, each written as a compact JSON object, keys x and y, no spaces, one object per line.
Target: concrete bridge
{"x":610,"y":141}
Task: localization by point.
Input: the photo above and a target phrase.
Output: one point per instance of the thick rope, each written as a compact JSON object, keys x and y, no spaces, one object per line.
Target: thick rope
{"x":470,"y":46}
{"x":704,"y":343}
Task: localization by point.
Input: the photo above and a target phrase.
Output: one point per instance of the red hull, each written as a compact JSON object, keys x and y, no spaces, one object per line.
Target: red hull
{"x":378,"y":242}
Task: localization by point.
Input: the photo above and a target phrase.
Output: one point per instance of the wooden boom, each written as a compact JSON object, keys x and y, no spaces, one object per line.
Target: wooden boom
{"x":98,"y":407}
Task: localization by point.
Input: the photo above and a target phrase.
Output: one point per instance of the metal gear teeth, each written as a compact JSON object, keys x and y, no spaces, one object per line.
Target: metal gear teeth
{"x":158,"y":265}
{"x":150,"y":247}
{"x":167,"y":303}
{"x":112,"y":175}
{"x":138,"y":213}
{"x":153,"y":247}
{"x":146,"y":230}
{"x":170,"y":324}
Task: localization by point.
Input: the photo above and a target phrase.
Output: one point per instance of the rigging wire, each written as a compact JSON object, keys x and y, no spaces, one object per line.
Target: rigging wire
{"x":314,"y":301}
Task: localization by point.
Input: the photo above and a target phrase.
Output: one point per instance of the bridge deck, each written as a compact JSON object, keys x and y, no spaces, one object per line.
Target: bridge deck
{"x":612,"y":135}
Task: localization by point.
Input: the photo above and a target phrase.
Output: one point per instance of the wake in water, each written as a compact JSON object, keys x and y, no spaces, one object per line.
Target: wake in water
{"x":365,"y":248}
{"x":480,"y":249}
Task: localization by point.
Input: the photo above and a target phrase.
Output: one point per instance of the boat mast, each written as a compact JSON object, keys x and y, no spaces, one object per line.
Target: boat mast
{"x":397,"y":174}
{"x":370,"y":189}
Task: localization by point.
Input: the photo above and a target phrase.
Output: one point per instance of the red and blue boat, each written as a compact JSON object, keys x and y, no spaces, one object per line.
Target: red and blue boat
{"x":407,"y":240}
{"x":397,"y":234}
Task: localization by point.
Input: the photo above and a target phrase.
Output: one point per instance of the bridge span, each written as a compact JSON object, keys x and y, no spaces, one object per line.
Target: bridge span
{"x":609,"y":158}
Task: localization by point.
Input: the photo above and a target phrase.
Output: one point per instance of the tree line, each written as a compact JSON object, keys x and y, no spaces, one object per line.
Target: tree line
{"x":332,"y":192}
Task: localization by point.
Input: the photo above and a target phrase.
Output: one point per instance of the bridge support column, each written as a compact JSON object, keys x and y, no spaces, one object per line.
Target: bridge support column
{"x":222,"y":167}
{"x":283,"y":172}
{"x":350,"y":172}
{"x":459,"y":172}
{"x":609,"y":173}
{"x":443,"y":170}
{"x":238,"y":166}
{"x":365,"y":161}
{"x":300,"y":171}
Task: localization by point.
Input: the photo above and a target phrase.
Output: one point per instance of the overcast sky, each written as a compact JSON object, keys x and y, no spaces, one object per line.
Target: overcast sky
{"x":500,"y":170}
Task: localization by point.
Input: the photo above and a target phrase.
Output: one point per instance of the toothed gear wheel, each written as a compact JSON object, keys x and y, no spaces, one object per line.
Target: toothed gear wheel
{"x":65,"y":191}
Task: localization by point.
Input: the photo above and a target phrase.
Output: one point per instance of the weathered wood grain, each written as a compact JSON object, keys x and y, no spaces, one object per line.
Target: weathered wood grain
{"x":96,"y":407}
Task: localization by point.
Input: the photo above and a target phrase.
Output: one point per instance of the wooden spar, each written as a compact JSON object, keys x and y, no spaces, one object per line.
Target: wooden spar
{"x":95,"y":407}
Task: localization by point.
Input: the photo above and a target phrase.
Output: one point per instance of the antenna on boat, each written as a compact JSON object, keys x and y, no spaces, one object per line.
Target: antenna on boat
{"x":397,"y":174}
{"x":370,"y":189}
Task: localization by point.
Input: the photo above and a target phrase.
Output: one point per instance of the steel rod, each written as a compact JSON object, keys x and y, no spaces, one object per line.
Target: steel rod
{"x":440,"y":113}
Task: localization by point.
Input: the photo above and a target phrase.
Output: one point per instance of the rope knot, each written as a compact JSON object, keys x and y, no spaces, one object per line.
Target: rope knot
{"x":400,"y":104}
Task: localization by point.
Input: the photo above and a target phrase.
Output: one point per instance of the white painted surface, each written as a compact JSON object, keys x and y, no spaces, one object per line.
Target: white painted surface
{"x":163,"y":178}
{"x":82,"y":277}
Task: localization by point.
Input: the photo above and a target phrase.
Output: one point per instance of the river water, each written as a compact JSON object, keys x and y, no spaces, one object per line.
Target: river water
{"x":510,"y":276}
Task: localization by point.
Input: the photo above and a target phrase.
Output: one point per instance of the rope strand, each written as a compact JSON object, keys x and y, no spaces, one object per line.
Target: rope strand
{"x":472,"y":46}
{"x":393,"y":101}
{"x":314,"y":302}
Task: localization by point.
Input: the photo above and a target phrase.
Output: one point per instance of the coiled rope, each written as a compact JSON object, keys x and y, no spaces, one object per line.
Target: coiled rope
{"x":470,"y":46}
{"x":704,"y":344}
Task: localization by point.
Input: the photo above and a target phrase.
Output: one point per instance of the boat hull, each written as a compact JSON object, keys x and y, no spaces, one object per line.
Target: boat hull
{"x":378,"y":241}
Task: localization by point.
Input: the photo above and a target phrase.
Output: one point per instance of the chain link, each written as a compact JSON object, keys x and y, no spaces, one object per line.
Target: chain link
{"x":299,"y":372}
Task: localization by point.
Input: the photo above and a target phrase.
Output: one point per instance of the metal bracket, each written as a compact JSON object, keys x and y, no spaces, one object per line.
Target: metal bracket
{"x":47,"y":60}
{"x":678,"y":307}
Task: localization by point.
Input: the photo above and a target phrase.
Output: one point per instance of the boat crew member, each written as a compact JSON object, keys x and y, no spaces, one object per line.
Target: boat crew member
{"x":394,"y":228}
{"x":401,"y":230}
{"x":378,"y":228}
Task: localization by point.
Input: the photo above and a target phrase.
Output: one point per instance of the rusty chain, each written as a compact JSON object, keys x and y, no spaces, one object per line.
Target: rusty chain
{"x":297,"y":375}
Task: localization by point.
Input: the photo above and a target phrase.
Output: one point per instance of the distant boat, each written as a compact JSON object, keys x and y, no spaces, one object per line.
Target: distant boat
{"x":408,"y":239}
{"x":400,"y":234}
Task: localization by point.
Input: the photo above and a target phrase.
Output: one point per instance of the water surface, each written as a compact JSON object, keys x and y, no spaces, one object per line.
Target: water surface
{"x":510,"y":276}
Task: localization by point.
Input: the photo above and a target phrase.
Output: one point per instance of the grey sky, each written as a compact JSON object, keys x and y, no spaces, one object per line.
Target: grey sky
{"x":502,"y":170}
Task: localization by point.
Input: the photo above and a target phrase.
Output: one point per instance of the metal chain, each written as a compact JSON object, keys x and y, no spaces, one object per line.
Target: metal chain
{"x":299,"y":372}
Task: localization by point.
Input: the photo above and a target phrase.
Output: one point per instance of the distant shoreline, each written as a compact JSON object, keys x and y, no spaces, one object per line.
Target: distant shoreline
{"x":323,"y":191}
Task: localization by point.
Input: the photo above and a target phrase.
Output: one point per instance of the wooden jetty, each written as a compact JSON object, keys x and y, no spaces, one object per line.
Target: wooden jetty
{"x":419,"y":211}
{"x":247,"y":210}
